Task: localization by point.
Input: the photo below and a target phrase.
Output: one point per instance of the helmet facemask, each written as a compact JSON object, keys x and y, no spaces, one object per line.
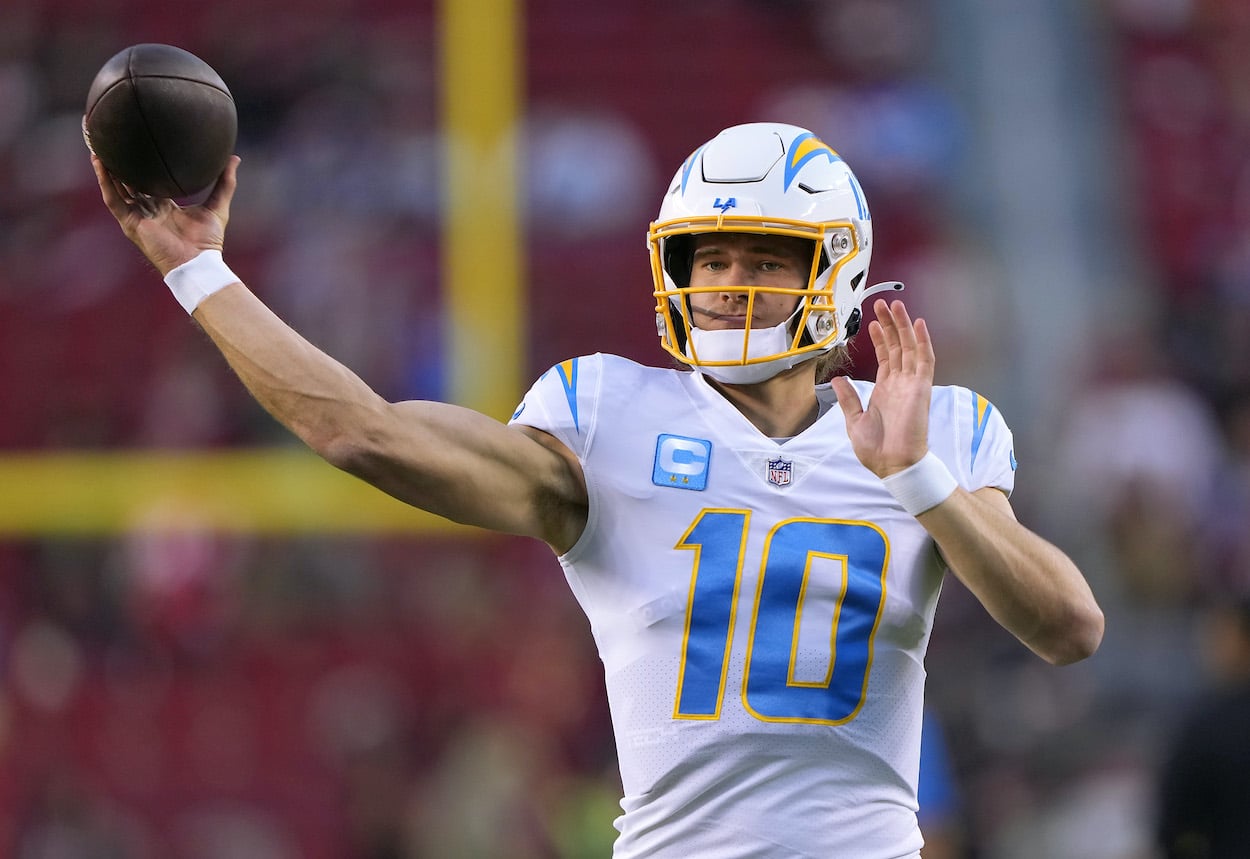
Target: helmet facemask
{"x":765,"y":179}
{"x":744,"y":355}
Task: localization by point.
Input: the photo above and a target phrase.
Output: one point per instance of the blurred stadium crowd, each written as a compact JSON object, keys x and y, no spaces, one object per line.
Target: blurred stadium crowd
{"x":206,"y":695}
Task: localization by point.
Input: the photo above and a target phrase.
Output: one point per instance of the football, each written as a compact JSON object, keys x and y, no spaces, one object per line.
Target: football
{"x":162,"y":121}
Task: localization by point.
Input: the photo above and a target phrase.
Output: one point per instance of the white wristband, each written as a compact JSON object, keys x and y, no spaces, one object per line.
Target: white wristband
{"x":923,"y":485}
{"x":198,"y":278}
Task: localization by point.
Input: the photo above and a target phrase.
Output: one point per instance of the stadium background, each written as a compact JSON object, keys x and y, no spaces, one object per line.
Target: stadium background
{"x":213,"y":646}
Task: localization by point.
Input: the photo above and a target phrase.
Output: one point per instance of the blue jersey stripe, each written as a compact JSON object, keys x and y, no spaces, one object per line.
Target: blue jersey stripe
{"x":568,"y":378}
{"x":981,"y":419}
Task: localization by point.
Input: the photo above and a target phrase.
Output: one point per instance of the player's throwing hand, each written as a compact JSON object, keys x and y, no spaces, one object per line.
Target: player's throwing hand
{"x":167,"y":234}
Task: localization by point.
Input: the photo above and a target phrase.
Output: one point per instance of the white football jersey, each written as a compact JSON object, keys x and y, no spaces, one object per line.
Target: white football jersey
{"x":762,"y":611}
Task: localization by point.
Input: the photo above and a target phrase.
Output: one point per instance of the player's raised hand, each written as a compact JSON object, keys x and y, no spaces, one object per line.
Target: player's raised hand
{"x":168,"y":234}
{"x":892,"y":432}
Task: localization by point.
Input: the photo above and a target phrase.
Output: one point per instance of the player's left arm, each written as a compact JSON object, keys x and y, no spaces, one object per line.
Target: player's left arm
{"x":1026,"y":583}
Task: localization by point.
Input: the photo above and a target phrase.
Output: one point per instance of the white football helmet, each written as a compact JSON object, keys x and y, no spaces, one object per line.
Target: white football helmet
{"x":764,"y":178}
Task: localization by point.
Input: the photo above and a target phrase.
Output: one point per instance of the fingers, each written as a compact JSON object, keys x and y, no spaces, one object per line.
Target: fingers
{"x":109,"y":189}
{"x":925,"y":356}
{"x":901,"y":345}
{"x":122,"y":202}
{"x":876,"y":333}
{"x":223,"y":192}
{"x":120,"y":199}
{"x":848,"y":399}
{"x":896,"y":332}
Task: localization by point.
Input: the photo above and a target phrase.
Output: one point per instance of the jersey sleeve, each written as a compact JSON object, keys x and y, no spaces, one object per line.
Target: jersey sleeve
{"x":563,"y":401}
{"x":982,"y":450}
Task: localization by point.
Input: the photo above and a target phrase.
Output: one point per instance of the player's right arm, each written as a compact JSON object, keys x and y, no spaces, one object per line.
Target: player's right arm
{"x":449,"y":460}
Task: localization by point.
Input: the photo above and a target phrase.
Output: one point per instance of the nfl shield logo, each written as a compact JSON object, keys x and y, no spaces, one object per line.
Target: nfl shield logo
{"x":779,"y":471}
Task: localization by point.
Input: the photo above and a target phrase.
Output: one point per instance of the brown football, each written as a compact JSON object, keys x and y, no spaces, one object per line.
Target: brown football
{"x":162,"y":121}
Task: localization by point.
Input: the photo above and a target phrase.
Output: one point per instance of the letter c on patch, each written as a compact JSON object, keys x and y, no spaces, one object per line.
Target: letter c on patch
{"x":681,"y":462}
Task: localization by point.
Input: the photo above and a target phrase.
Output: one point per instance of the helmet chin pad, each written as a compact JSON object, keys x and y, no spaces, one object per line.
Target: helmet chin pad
{"x":744,"y":356}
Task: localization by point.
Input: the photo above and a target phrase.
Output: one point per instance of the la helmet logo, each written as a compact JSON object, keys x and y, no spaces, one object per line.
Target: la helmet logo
{"x":724,"y":205}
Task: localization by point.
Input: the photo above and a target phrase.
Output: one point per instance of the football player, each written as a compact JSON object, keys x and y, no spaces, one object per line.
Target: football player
{"x":759,"y":547}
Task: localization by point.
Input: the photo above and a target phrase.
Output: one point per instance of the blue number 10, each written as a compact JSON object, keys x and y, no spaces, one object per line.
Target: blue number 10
{"x":802,"y":559}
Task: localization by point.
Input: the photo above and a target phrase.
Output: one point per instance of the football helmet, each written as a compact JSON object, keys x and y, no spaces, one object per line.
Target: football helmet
{"x":773,"y":179}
